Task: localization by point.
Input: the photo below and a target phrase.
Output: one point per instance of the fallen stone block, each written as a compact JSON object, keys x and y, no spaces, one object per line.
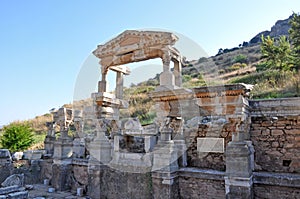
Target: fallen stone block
{"x":10,"y":189}
{"x":15,"y":179}
{"x":18,"y":195}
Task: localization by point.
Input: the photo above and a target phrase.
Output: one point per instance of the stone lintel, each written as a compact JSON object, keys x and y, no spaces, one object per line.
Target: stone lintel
{"x":223,"y":90}
{"x":171,"y":95}
{"x":123,"y":69}
{"x":134,"y":46}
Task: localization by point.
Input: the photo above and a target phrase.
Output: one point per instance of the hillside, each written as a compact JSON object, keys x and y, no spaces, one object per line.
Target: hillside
{"x":235,"y":65}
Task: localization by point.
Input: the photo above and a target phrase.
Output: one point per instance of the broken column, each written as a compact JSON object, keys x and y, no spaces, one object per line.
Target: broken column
{"x":79,"y":137}
{"x":63,"y":145}
{"x":50,"y":138}
{"x":63,"y":151}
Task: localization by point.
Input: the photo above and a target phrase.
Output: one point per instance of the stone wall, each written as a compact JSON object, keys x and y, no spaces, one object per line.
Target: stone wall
{"x":276,"y":185}
{"x":61,"y":176}
{"x":118,"y":184}
{"x":46,"y":169}
{"x":275,"y":134}
{"x":206,"y":184}
{"x":31,"y":170}
{"x":271,"y":192}
{"x":79,"y":176}
{"x":165,"y":190}
{"x":206,"y":160}
{"x":277,"y":143}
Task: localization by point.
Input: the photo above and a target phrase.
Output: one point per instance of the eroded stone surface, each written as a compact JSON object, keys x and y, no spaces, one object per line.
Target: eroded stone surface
{"x":15,"y":179}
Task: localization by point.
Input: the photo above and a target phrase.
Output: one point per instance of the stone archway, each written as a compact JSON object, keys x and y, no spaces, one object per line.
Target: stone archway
{"x":134,"y":46}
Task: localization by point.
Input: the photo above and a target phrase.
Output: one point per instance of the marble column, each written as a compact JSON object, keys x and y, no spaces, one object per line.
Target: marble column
{"x":102,"y":85}
{"x":167,"y":77}
{"x":177,"y":72}
{"x":119,"y":85}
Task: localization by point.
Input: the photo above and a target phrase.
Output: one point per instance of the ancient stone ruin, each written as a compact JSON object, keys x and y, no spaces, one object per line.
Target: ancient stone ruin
{"x":206,"y":142}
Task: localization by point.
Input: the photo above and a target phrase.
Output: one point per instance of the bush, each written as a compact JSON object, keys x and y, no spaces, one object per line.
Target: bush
{"x":240,"y":59}
{"x":237,"y":66}
{"x":17,"y":137}
{"x":186,"y":78}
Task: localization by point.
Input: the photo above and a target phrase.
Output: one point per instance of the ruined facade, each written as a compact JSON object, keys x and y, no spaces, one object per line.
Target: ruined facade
{"x":207,"y":142}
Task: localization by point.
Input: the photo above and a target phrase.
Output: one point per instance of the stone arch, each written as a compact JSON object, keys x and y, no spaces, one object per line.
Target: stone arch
{"x":134,"y":46}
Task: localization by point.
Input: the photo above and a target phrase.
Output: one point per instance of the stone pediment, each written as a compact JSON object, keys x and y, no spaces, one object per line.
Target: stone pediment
{"x":133,"y":46}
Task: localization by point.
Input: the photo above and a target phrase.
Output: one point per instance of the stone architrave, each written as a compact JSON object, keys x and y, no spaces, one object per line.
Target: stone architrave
{"x":134,"y":46}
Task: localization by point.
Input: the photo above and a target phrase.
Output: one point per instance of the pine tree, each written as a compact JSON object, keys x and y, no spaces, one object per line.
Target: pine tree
{"x":16,"y":137}
{"x":278,"y":54}
{"x":294,"y":33}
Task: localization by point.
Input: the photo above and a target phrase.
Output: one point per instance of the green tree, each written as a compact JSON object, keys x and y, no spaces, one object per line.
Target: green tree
{"x":17,"y":136}
{"x":278,"y":54}
{"x":294,"y":33}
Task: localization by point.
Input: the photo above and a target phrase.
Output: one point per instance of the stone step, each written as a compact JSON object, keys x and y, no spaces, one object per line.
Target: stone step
{"x":18,"y":195}
{"x":10,"y":189}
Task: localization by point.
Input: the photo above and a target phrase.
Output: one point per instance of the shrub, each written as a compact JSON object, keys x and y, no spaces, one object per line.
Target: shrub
{"x":240,"y":59}
{"x":237,"y":66}
{"x":186,"y":78}
{"x":17,"y":136}
{"x":221,"y":71}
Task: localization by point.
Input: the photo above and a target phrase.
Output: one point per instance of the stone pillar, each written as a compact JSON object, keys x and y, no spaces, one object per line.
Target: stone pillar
{"x":49,"y":144}
{"x":102,"y":85}
{"x":119,"y":85}
{"x":166,"y":77}
{"x":165,"y":166}
{"x":239,"y":165}
{"x":180,"y":144}
{"x":50,"y":138}
{"x":100,"y":148}
{"x":63,"y":147}
{"x":177,"y":72}
{"x":100,"y":155}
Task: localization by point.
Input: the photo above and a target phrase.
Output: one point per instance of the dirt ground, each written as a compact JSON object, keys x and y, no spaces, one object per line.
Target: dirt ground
{"x":40,"y":191}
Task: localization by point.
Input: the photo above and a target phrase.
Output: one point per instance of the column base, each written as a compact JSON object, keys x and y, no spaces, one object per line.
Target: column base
{"x":239,"y":187}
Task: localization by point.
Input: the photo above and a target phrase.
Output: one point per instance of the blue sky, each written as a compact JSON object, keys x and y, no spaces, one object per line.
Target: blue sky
{"x":45,"y":43}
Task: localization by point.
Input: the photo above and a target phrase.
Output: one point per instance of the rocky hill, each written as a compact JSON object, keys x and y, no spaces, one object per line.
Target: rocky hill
{"x":281,"y":27}
{"x":237,"y":61}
